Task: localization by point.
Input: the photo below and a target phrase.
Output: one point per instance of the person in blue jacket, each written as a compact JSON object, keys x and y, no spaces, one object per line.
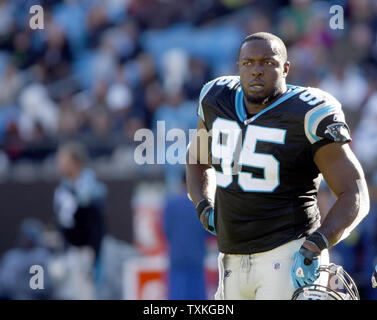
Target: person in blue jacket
{"x":187,"y":247}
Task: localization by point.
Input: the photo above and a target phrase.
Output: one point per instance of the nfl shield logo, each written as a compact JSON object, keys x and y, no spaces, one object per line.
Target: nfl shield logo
{"x":277,"y":266}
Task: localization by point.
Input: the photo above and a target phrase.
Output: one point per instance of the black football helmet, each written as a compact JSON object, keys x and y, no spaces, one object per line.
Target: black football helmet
{"x":340,"y":286}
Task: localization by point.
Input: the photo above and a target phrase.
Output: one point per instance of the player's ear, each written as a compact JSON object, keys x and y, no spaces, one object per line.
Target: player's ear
{"x":286,"y":66}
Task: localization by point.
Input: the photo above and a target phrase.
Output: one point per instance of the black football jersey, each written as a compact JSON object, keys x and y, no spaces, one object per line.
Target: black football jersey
{"x":267,"y":181}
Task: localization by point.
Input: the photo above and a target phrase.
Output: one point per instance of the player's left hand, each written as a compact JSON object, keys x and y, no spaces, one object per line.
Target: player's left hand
{"x":207,"y":218}
{"x":305,"y":267}
{"x":374,"y":277}
{"x":206,"y":214}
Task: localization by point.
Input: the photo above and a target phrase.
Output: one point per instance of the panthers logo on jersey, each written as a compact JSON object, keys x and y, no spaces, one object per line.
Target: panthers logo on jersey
{"x":338,"y":131}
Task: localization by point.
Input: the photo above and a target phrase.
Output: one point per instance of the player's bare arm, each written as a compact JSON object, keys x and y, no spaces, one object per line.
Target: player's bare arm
{"x":344,"y":176}
{"x":200,"y":176}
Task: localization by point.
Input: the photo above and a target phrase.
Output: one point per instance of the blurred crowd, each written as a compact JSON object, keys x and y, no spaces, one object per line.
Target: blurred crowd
{"x":100,"y":70}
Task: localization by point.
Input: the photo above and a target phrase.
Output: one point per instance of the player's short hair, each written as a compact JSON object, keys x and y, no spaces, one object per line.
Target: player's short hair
{"x":77,"y":150}
{"x":267,"y":37}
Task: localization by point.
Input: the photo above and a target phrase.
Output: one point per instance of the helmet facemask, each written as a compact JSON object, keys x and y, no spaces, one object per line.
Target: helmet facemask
{"x":340,"y":286}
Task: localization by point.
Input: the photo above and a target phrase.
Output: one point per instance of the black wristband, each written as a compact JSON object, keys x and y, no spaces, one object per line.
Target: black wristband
{"x":202,"y":204}
{"x":319,"y":240}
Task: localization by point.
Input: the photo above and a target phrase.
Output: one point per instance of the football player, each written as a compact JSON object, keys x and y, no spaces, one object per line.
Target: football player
{"x":253,"y":172}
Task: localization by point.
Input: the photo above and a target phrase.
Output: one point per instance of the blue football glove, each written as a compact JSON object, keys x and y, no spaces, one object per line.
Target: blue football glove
{"x":206,"y":214}
{"x":208,"y":220}
{"x":305,"y":267}
{"x":374,"y":277}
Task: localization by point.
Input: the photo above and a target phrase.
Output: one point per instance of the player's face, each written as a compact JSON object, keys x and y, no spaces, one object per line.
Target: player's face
{"x":262,"y":70}
{"x":65,"y":163}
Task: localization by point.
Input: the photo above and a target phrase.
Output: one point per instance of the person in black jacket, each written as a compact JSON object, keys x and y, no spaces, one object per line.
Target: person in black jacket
{"x":79,"y":200}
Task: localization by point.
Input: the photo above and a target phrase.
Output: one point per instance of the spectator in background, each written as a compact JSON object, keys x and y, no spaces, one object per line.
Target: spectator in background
{"x":15,"y":265}
{"x":198,"y":74}
{"x":79,"y":202}
{"x":365,"y":134}
{"x":176,"y":113}
{"x":10,"y":85}
{"x":186,"y":240}
{"x":349,"y":84}
{"x":38,"y":110}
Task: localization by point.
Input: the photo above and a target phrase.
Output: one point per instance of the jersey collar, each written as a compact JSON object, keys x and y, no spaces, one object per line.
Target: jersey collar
{"x":241,"y":109}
